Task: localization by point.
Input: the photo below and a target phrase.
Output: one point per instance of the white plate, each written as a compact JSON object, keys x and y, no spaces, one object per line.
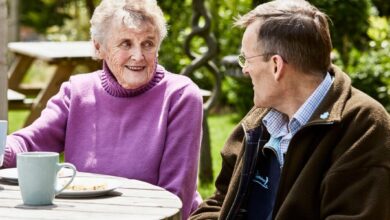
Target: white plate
{"x":11,"y":174}
{"x":89,"y":187}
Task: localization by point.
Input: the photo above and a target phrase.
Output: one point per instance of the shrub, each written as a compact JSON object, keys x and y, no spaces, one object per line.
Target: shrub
{"x":370,"y":70}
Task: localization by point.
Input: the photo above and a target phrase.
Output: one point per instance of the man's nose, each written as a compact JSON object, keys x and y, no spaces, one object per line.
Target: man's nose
{"x":244,"y":71}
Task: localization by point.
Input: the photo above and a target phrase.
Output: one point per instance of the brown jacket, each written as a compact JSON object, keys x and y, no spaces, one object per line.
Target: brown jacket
{"x":335,"y":168}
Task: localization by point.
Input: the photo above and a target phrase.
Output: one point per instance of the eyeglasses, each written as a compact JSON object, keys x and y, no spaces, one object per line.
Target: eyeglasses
{"x":242,"y":59}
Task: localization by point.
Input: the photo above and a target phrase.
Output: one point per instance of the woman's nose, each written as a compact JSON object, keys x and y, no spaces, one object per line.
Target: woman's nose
{"x":136,"y":54}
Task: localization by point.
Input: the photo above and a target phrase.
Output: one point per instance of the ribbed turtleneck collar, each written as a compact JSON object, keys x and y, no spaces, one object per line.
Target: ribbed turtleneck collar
{"x":112,"y":87}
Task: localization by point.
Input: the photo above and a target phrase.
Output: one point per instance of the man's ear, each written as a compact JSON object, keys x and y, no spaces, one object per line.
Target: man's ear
{"x":278,"y":66}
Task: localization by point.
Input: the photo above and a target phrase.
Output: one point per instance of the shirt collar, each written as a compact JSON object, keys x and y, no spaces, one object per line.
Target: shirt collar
{"x":277,"y":123}
{"x":310,"y":105}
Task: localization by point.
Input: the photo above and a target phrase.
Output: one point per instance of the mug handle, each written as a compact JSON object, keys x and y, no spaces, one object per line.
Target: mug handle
{"x":67,"y":165}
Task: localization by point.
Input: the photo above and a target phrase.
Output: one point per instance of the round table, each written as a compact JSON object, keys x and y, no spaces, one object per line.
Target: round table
{"x":133,"y":199}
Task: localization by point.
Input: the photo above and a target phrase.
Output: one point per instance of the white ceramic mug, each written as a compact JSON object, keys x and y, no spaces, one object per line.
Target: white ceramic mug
{"x":37,"y":177}
{"x":3,"y":138}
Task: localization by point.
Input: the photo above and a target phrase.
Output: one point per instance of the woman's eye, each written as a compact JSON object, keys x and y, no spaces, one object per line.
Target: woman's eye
{"x":125,"y":44}
{"x":148,"y":45}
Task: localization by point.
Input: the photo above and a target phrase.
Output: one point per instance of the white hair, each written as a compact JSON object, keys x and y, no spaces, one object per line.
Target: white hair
{"x":133,"y":13}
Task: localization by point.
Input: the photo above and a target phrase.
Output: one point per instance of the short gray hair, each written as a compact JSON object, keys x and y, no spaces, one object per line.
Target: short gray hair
{"x":132,"y":12}
{"x":294,"y":29}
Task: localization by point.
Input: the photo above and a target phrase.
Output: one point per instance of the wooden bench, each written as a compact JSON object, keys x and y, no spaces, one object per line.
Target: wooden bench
{"x":18,"y":100}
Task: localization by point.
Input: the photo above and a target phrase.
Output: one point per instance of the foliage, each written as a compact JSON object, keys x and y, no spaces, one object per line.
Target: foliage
{"x":370,"y":70}
{"x":228,"y":42}
{"x":172,"y":54}
{"x":350,"y":31}
{"x":56,"y":20}
{"x":361,"y":45}
{"x":238,"y":94}
{"x":350,"y":23}
{"x":383,"y":7}
{"x":42,"y":14}
{"x":177,"y":16}
{"x":67,"y":31}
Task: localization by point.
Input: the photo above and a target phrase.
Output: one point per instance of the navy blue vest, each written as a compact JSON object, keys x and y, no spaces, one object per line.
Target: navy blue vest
{"x":264,"y":186}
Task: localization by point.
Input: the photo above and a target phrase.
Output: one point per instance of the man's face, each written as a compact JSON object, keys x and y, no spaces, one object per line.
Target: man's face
{"x":260,"y":71}
{"x":131,"y":54}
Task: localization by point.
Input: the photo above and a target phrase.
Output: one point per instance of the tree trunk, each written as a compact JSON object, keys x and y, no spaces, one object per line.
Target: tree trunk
{"x":205,"y":164}
{"x":13,"y":21}
{"x":3,"y":61}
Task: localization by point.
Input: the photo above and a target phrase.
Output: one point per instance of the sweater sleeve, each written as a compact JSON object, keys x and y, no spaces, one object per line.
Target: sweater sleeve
{"x":179,"y":164}
{"x":46,"y":133}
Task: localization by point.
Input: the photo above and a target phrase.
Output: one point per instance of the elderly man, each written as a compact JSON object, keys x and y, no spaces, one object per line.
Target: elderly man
{"x":313,"y":147}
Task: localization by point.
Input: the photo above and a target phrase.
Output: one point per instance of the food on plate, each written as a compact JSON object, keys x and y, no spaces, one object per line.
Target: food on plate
{"x":86,"y":187}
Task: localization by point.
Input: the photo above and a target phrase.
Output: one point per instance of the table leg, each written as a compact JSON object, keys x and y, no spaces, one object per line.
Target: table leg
{"x":18,"y":70}
{"x":62,"y":74}
{"x":93,"y":65}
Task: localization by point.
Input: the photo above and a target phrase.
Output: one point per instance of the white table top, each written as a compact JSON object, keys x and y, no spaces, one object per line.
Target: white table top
{"x":133,"y":200}
{"x":53,"y":50}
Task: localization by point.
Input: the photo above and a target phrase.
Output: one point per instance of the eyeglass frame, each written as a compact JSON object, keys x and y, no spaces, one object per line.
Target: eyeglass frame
{"x":242,"y":59}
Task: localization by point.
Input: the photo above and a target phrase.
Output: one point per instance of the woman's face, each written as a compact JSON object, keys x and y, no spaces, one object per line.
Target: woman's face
{"x":131,"y":53}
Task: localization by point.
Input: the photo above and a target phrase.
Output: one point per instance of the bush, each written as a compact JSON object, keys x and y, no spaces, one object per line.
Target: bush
{"x":238,"y":94}
{"x":370,"y":70}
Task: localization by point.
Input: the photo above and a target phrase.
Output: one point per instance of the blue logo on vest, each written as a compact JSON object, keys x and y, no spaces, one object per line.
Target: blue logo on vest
{"x":263,"y":181}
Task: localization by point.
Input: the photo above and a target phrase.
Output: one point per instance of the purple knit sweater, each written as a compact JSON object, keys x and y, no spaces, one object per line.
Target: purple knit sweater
{"x":152,"y":133}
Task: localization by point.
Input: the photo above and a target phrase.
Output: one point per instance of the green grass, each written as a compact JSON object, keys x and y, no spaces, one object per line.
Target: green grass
{"x":16,"y":119}
{"x":220,"y":128}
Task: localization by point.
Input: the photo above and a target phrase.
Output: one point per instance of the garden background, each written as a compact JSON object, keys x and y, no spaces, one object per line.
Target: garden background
{"x":360,"y":32}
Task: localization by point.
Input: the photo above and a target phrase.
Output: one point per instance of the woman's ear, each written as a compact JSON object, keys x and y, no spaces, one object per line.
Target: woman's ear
{"x":98,"y":49}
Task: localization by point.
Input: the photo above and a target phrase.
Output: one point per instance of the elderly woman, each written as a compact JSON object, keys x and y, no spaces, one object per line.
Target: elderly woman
{"x":133,"y":118}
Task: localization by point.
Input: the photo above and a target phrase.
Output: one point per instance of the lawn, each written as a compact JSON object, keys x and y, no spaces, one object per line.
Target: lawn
{"x":220,"y":127}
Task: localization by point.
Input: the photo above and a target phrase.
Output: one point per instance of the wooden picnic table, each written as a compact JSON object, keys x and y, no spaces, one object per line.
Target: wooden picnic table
{"x":134,"y":199}
{"x":65,"y":56}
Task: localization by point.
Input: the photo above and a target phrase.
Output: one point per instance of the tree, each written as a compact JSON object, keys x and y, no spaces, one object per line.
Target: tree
{"x":349,"y":24}
{"x":42,"y":14}
{"x":3,"y":61}
{"x":383,"y":7}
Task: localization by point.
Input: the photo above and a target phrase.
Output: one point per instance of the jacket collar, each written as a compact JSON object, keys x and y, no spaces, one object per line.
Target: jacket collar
{"x":330,"y":109}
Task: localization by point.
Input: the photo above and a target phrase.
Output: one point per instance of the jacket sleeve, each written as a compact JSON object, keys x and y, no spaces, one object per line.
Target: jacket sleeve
{"x":179,"y":164}
{"x":211,"y":207}
{"x":359,"y":194}
{"x":357,"y":185}
{"x":46,"y":133}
